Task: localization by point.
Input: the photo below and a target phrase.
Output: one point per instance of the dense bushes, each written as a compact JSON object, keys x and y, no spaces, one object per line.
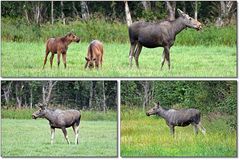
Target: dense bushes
{"x":18,"y":30}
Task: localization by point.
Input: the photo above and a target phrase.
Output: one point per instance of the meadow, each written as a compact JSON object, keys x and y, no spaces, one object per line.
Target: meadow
{"x":25,"y":59}
{"x":31,"y":138}
{"x":143,"y":136}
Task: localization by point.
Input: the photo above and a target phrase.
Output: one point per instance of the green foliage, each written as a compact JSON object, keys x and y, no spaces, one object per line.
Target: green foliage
{"x":86,"y":115}
{"x":31,"y":138}
{"x":150,"y":137}
{"x":19,"y":31}
{"x":195,"y":61}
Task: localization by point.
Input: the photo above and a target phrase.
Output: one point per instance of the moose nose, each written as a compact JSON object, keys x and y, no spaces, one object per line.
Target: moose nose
{"x":147,"y":114}
{"x":34,"y":116}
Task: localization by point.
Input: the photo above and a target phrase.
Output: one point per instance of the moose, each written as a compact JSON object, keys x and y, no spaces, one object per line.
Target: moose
{"x":59,"y":46}
{"x":61,"y":119}
{"x":181,"y":117}
{"x":94,"y":55}
{"x":158,"y":34}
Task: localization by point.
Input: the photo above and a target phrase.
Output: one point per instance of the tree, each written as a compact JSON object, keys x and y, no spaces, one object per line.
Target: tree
{"x":62,"y":13}
{"x":84,"y":10}
{"x":47,"y":90}
{"x":6,"y":87}
{"x":171,"y":7}
{"x":128,"y":14}
{"x":52,"y":18}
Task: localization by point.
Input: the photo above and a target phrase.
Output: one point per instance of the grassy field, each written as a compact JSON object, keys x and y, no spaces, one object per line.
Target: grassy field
{"x":150,"y":136}
{"x":31,"y":138}
{"x":22,"y":59}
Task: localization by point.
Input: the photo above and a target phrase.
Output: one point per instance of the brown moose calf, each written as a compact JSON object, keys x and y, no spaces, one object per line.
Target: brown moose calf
{"x":94,"y":55}
{"x":59,"y":46}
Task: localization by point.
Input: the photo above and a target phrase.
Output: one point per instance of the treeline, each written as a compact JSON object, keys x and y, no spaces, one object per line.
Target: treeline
{"x":39,"y":12}
{"x":84,"y":95}
{"x":208,"y":96}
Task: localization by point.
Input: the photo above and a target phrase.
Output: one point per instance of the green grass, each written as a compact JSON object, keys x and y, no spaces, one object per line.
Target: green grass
{"x":86,"y":115}
{"x":25,"y":59}
{"x":31,"y":138}
{"x":143,"y":136}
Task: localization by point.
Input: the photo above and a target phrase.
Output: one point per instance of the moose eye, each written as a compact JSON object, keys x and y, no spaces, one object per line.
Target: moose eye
{"x":190,"y":19}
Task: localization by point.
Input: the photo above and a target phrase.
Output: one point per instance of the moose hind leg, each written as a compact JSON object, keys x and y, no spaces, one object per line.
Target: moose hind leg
{"x":172,"y":130}
{"x":65,"y":135}
{"x":137,"y":53}
{"x":76,"y":131}
{"x":163,"y":59}
{"x":45,"y":59}
{"x":52,"y":134}
{"x":202,"y":129}
{"x":64,"y":56}
{"x":195,"y":128}
{"x":58,"y":58}
{"x":131,"y":52}
{"x":51,"y":59}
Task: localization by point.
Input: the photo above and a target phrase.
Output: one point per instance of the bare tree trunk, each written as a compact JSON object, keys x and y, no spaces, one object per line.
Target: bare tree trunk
{"x":37,"y":12}
{"x":84,"y":10}
{"x":146,"y":96}
{"x":75,"y":12}
{"x":90,"y":95}
{"x":196,"y":10}
{"x":62,"y":14}
{"x":52,"y":18}
{"x":26,"y":12}
{"x":128,"y":14}
{"x":31,"y":97}
{"x":146,"y":5}
{"x":104,"y":97}
{"x":184,"y":6}
{"x":47,"y":90}
{"x":6,"y":91}
{"x":19,"y":90}
{"x":171,"y":7}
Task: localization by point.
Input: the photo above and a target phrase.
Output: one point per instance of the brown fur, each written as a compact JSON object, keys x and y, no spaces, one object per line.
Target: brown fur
{"x":94,"y":55}
{"x":59,"y":46}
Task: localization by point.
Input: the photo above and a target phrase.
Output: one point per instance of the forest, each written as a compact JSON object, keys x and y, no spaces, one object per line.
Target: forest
{"x":84,"y":95}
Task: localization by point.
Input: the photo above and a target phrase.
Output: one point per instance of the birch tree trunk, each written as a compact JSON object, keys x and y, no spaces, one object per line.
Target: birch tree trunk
{"x":62,"y":13}
{"x":52,"y":18}
{"x":146,"y":5}
{"x":196,"y":10}
{"x":171,"y":7}
{"x":19,"y":89}
{"x":84,"y":10}
{"x":75,"y":12}
{"x":128,"y":14}
{"x":47,"y":90}
{"x":104,"y":97}
{"x":90,"y":95}
{"x":6,"y":91}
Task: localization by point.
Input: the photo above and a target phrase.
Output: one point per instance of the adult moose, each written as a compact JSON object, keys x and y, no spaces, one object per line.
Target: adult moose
{"x":159,"y":34}
{"x":181,"y":117}
{"x":61,"y":119}
{"x":94,"y":55}
{"x":59,"y":46}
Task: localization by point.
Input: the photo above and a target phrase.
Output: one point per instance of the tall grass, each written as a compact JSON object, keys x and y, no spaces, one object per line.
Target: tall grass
{"x":86,"y":115}
{"x":18,"y":30}
{"x":143,"y":136}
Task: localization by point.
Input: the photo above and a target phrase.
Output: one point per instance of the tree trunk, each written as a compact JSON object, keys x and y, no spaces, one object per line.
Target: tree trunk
{"x":146,"y":96}
{"x":196,"y":10}
{"x":19,"y":90}
{"x":146,"y":5}
{"x":62,"y":14}
{"x":52,"y":18}
{"x":171,"y":7}
{"x":6,"y":91}
{"x":128,"y":14}
{"x":31,"y":97}
{"x":47,"y":90}
{"x":90,"y":95}
{"x":104,"y":97}
{"x":75,"y":12}
{"x":84,"y":10}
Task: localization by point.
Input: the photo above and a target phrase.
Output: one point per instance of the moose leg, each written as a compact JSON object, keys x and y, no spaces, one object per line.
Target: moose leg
{"x":172,"y":130}
{"x":64,"y":56}
{"x":195,"y":128}
{"x":58,"y":58}
{"x":45,"y":59}
{"x":131,"y":53}
{"x":51,"y":59}
{"x":167,"y":55}
{"x":202,"y":129}
{"x":65,"y":134}
{"x":137,"y":53}
{"x":76,"y":131}
{"x":52,"y":134}
{"x":163,"y":58}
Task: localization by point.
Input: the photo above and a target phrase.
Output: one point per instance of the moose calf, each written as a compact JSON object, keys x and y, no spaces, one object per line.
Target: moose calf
{"x":94,"y":55}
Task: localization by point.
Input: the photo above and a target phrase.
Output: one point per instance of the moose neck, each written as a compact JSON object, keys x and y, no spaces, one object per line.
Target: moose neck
{"x":49,"y":115}
{"x":178,"y":26}
{"x":162,"y":113}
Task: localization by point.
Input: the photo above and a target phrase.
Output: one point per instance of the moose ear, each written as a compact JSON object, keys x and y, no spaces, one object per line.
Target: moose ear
{"x":158,"y":104}
{"x":181,"y":13}
{"x":87,"y":59}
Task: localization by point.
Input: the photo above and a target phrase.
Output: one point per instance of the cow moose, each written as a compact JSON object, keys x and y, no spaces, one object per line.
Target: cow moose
{"x":59,"y":46}
{"x":180,"y":117}
{"x":158,"y":34}
{"x":61,"y":119}
{"x":94,"y":55}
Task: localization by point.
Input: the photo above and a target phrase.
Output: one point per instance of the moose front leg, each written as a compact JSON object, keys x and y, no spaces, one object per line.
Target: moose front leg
{"x":52,"y":134}
{"x":65,"y":135}
{"x":58,"y":58}
{"x":167,"y":55}
{"x":163,"y":58}
{"x":64,"y":57}
{"x":172,"y":130}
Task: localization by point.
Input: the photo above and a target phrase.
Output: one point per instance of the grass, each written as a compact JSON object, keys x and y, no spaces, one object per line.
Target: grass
{"x":31,"y":138}
{"x":143,"y":136}
{"x":86,"y":115}
{"x":25,"y":59}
